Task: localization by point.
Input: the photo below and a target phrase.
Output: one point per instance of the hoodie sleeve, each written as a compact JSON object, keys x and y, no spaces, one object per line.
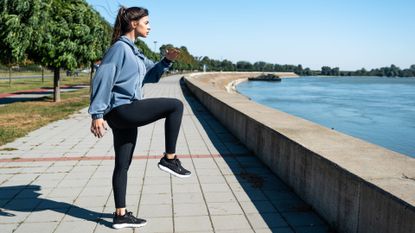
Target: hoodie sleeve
{"x":104,"y":80}
{"x":155,"y":70}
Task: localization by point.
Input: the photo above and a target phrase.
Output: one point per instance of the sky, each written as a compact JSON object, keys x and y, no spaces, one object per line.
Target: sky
{"x":350,"y":34}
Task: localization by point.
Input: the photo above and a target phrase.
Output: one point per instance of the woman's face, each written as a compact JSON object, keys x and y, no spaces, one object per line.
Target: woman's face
{"x":142,"y":28}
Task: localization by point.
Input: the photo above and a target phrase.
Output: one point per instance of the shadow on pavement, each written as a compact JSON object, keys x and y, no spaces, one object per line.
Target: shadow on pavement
{"x":10,"y":100}
{"x":31,"y":202}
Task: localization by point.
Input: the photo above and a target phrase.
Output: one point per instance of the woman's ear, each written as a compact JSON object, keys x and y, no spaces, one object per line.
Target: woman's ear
{"x":134,"y":24}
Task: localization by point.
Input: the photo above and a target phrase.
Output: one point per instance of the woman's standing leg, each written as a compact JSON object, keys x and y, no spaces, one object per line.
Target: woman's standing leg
{"x":124,"y":145}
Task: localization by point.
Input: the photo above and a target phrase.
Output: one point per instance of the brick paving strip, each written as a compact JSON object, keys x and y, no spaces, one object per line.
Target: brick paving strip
{"x":135,"y":157}
{"x":58,"y":179}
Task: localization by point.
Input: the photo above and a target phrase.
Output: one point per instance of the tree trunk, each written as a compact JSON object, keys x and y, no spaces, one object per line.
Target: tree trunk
{"x":10,"y":76}
{"x":90,"y":77}
{"x":56,"y":85}
{"x":43,"y":74}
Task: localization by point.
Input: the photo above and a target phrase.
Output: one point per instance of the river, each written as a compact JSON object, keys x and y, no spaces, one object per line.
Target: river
{"x":376,"y":109}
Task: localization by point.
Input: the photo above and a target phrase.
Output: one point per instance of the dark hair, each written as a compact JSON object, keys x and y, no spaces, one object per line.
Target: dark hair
{"x":124,"y":17}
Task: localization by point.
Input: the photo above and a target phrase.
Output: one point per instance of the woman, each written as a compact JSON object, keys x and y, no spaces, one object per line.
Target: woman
{"x":117,"y":98}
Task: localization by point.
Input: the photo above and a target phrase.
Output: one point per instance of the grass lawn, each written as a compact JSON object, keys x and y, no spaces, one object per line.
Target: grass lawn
{"x":20,"y":118}
{"x":35,"y":83}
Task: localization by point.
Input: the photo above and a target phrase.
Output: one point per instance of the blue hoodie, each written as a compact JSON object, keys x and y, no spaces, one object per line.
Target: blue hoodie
{"x":120,"y":77}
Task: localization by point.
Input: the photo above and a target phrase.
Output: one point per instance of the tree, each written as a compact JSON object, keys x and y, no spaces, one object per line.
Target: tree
{"x":147,"y":51}
{"x":18,"y":22}
{"x":71,"y":35}
{"x":259,"y":66}
{"x":325,"y":70}
{"x":335,"y":71}
{"x":244,"y":66}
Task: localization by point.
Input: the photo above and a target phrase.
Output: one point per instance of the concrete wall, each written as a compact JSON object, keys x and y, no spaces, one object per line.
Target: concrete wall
{"x":356,"y":186}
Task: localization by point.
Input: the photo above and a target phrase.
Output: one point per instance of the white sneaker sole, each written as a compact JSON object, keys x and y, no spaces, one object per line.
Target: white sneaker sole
{"x":166,"y":169}
{"x":128,"y":225}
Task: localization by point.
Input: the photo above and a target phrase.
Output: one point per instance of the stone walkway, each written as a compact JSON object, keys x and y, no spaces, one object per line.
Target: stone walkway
{"x":58,"y":179}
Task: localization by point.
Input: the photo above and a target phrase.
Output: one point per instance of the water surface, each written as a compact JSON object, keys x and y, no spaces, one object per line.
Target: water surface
{"x":375,"y":109}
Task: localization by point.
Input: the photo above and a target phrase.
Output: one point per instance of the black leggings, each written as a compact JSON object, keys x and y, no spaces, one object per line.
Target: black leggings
{"x":124,"y":121}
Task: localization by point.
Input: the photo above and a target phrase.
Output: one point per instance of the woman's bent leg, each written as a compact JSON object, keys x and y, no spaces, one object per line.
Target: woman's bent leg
{"x":146,"y":111}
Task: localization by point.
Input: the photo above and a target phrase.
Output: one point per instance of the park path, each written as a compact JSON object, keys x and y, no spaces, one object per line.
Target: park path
{"x":58,"y":179}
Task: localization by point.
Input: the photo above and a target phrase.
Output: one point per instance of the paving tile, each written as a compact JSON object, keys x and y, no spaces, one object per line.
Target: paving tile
{"x":252,"y":207}
{"x":50,"y":215}
{"x":303,"y":219}
{"x":291,"y":205}
{"x":156,"y":199}
{"x":186,"y":188}
{"x":212,"y":179}
{"x":12,"y":216}
{"x":157,"y":189}
{"x":65,"y":192}
{"x":208,"y":172}
{"x":153,"y":180}
{"x":79,"y":213}
{"x":7,"y":193}
{"x":251,"y":195}
{"x":313,"y":229}
{"x":236,"y":231}
{"x":45,"y":227}
{"x":275,"y":230}
{"x":158,"y":225}
{"x":192,"y":224}
{"x":107,"y":228}
{"x":227,"y":208}
{"x":91,"y":201}
{"x":76,"y":227}
{"x":8,"y":228}
{"x":221,"y":187}
{"x":190,"y":209}
{"x":266,"y":220}
{"x":96,"y":191}
{"x":219,"y":197}
{"x":230,"y":222}
{"x":25,"y":204}
{"x":155,"y":210}
{"x":55,"y":203}
{"x":179,"y":198}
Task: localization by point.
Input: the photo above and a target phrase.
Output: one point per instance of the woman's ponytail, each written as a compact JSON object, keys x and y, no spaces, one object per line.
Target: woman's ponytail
{"x":124,"y":17}
{"x":118,"y":24}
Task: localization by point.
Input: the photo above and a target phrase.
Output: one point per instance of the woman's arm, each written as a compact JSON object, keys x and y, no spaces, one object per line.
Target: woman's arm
{"x":104,"y":80}
{"x":156,"y":70}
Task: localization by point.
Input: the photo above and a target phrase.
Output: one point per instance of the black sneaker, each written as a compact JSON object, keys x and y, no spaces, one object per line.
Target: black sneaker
{"x":128,"y":220}
{"x":174,"y":167}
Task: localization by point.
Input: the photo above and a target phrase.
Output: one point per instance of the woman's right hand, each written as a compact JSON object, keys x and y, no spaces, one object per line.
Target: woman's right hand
{"x":98,"y":127}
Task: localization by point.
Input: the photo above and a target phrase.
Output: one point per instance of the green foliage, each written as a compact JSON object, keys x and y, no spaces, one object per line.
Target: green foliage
{"x":74,"y":35}
{"x":147,"y":51}
{"x":392,"y":71}
{"x":55,"y":33}
{"x":18,"y":22}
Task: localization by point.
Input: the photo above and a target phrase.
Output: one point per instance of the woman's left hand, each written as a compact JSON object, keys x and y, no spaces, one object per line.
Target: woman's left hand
{"x":172,"y":54}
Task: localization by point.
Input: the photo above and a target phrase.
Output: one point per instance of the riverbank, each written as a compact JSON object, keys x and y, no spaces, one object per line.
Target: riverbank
{"x":229,"y":80}
{"x":355,"y":185}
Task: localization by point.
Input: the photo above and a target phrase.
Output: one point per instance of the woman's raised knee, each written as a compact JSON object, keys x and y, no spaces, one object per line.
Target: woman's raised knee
{"x":178,"y":104}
